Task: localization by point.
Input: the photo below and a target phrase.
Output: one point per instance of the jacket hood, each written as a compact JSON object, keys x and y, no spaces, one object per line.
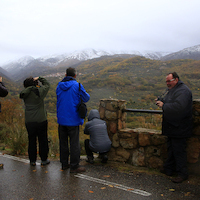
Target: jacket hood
{"x":66,"y":83}
{"x":93,"y":114}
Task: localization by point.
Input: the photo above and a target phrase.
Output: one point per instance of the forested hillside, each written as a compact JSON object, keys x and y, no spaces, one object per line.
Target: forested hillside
{"x":138,"y":80}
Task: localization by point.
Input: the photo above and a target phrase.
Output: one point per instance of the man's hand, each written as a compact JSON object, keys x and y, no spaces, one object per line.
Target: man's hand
{"x":36,"y":78}
{"x":159,"y":104}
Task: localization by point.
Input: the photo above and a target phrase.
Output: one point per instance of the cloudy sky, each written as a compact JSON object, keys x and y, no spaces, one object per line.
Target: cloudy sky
{"x":44,"y":27}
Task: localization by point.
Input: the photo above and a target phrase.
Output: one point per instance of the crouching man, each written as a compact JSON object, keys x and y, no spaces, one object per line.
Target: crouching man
{"x":99,"y":141}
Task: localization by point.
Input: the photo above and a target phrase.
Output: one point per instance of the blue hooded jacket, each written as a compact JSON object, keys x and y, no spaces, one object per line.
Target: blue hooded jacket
{"x":68,"y":97}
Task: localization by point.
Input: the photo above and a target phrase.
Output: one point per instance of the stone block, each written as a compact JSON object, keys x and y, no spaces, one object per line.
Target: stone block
{"x":114,"y":157}
{"x":152,"y":151}
{"x":110,"y":115}
{"x":155,"y":162}
{"x":193,"y":150}
{"x":144,"y":139}
{"x":128,"y":143}
{"x":138,"y":158}
{"x":102,"y":103}
{"x":115,"y":140}
{"x":122,"y":104}
{"x":120,"y":124}
{"x":113,"y":126}
{"x":102,"y":112}
{"x":112,"y":105}
{"x":123,"y":153}
{"x":158,"y":139}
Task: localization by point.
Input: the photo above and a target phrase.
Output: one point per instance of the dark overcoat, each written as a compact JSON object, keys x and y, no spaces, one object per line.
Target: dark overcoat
{"x":177,"y":112}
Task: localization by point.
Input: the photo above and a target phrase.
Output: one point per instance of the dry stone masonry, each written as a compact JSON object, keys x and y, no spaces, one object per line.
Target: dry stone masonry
{"x":144,"y":147}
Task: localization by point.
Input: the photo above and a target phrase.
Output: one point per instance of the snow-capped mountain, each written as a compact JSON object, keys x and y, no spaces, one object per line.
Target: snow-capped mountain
{"x":29,"y":66}
{"x":76,"y":56}
{"x":187,"y":53}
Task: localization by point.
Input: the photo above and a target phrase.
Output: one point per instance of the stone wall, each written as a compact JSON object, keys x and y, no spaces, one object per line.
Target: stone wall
{"x":144,"y":147}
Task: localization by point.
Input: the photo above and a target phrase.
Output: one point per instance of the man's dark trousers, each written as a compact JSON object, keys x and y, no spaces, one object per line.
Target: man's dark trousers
{"x":39,"y":130}
{"x":177,"y":157}
{"x":89,"y":152}
{"x":73,"y":133}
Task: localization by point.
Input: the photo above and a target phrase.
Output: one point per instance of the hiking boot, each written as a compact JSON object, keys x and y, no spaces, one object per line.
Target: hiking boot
{"x":46,"y":162}
{"x":1,"y":166}
{"x":78,"y":170}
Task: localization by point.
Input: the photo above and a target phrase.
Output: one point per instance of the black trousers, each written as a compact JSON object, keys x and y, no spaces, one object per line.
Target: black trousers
{"x":37,"y":130}
{"x":89,"y":152}
{"x":177,"y":157}
{"x":71,"y":132}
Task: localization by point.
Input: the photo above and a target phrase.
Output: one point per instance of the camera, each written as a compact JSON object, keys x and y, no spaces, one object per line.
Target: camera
{"x":159,"y":99}
{"x":36,"y":82}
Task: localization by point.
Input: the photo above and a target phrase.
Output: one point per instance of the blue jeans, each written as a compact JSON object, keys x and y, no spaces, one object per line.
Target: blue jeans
{"x":71,"y":133}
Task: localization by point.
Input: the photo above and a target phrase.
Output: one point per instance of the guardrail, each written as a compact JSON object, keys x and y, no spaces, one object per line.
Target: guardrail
{"x":143,"y":111}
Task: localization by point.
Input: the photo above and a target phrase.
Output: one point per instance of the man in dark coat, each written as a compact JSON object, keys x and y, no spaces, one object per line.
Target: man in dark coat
{"x":3,"y":93}
{"x":177,"y":125}
{"x":99,"y":141}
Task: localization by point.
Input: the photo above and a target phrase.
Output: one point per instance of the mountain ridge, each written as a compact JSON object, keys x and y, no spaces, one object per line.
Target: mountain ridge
{"x":28,"y":65}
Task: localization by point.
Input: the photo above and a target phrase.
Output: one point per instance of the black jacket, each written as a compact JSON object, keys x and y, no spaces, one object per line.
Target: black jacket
{"x":177,"y":112}
{"x":3,"y":91}
{"x":97,"y":129}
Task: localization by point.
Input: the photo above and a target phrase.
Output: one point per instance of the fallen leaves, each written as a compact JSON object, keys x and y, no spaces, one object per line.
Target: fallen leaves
{"x":187,"y":194}
{"x":107,"y":176}
{"x":111,"y":186}
{"x":90,"y":191}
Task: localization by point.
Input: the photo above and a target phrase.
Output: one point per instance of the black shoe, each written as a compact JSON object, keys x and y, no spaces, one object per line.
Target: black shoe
{"x":78,"y":170}
{"x":64,"y":167}
{"x":104,"y":159}
{"x":90,"y":160}
{"x":46,"y":162}
{"x":33,"y":163}
{"x":178,"y":179}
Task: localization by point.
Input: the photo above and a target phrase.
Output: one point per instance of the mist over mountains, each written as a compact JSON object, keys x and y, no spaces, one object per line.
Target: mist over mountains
{"x":29,"y":66}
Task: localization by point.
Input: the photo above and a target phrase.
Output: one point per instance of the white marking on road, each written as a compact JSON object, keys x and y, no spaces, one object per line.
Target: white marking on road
{"x":116,"y":185}
{"x":17,"y":158}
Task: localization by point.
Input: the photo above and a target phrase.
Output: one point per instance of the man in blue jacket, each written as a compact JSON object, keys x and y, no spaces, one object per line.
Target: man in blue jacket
{"x":176,"y":125}
{"x":99,"y":141}
{"x":68,"y":97}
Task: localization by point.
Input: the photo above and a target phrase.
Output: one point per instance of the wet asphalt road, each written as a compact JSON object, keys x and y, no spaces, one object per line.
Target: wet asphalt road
{"x":19,"y":180}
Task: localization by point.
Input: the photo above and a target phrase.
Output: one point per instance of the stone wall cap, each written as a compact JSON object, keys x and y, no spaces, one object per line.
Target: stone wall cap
{"x":148,"y":131}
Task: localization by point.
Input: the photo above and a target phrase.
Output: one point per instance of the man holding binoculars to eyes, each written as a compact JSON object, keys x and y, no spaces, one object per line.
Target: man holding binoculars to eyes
{"x":36,"y":117}
{"x":176,"y":125}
